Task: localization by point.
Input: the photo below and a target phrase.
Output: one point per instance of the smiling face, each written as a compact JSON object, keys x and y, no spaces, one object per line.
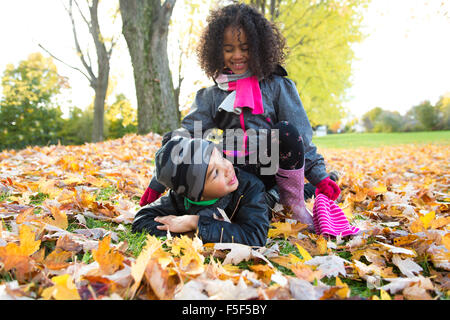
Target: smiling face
{"x":235,"y":50}
{"x":220,"y":177}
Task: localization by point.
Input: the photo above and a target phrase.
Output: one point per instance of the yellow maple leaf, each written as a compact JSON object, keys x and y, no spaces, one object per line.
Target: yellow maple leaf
{"x":426,"y":219}
{"x":305,"y":254}
{"x":285,"y":261}
{"x":286,"y":229}
{"x":28,"y":244}
{"x":380,"y":188}
{"x":384,"y":295}
{"x":63,"y":289}
{"x":344,"y":292}
{"x":293,"y":259}
{"x":109,"y":259}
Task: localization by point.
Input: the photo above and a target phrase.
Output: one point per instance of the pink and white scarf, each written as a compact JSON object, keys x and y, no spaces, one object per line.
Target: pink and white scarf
{"x":246,"y":93}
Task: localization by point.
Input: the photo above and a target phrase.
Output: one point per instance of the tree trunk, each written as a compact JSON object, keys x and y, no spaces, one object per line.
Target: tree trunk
{"x":99,"y":83}
{"x":145,"y":28}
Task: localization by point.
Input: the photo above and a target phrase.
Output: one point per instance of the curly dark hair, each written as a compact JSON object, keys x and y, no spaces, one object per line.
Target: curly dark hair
{"x":266,"y":43}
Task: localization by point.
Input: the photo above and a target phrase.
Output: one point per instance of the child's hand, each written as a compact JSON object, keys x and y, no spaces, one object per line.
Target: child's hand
{"x":329,"y":188}
{"x":178,"y":224}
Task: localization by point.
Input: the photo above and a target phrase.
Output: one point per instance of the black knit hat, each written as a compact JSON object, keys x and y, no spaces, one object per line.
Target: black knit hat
{"x":182,"y":164}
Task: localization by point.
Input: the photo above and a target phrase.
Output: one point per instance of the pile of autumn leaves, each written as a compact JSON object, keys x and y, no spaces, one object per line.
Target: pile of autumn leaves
{"x":397,"y":196}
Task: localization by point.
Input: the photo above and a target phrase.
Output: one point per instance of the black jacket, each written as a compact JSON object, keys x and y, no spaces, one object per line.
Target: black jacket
{"x":248,"y":208}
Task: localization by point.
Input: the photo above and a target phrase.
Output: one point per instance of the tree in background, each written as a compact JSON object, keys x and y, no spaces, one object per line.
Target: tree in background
{"x":443,"y":109}
{"x":28,"y":114}
{"x":389,"y":121}
{"x":370,"y":117}
{"x":145,"y":26}
{"x":319,"y":35}
{"x":121,"y":118}
{"x":426,"y":116}
{"x":97,"y":76}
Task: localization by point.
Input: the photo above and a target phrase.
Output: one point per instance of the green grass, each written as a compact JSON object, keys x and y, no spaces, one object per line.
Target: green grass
{"x":356,"y":140}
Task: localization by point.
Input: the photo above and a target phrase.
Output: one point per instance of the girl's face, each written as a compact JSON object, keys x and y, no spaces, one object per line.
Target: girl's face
{"x":235,"y":50}
{"x":220,"y":177}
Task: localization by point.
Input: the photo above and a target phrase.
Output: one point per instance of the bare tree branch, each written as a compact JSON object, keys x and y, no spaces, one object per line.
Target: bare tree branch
{"x":77,"y":45}
{"x":81,"y":13}
{"x":75,"y":68}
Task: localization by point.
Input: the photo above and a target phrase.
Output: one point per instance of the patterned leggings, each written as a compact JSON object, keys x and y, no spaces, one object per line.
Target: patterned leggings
{"x":291,"y":155}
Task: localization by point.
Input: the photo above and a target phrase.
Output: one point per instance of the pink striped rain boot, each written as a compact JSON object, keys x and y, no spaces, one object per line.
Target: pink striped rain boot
{"x":290,"y":184}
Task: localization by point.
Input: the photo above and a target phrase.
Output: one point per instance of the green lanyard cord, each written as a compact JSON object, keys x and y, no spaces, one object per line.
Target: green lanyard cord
{"x":188,"y":202}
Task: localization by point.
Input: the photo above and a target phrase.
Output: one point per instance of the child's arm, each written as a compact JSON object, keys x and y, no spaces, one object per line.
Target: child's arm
{"x":146,"y":218}
{"x":290,"y":108}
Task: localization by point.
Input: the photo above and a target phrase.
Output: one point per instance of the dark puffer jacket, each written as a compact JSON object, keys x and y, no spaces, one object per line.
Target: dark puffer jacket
{"x":248,"y":208}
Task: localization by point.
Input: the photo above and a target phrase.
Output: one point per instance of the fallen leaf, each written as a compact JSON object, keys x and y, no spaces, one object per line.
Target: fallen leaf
{"x":109,"y":259}
{"x":329,"y":265}
{"x":63,"y":289}
{"x":408,"y":267}
{"x":286,"y":229}
{"x":306,"y":256}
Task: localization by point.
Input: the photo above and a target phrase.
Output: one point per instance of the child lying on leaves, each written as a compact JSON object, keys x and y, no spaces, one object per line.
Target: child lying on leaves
{"x":207,"y":195}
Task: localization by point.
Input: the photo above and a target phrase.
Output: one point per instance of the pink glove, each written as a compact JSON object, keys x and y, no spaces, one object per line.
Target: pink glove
{"x":149,"y":196}
{"x":329,"y":188}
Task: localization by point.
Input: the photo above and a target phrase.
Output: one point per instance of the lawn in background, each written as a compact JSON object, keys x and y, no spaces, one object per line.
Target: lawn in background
{"x":356,"y":140}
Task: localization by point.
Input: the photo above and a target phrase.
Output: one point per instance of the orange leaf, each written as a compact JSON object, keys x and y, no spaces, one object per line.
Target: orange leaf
{"x":306,"y":272}
{"x":109,"y":259}
{"x":263,"y":271}
{"x":18,"y":256}
{"x":56,"y":260}
{"x":405,"y":240}
{"x":417,"y":226}
{"x":322,"y":245}
{"x":446,"y":241}
{"x":59,"y":218}
{"x":440,"y":222}
{"x":162,"y":284}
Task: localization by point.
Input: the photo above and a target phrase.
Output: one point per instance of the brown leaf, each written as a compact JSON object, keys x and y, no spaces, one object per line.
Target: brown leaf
{"x":162,"y":284}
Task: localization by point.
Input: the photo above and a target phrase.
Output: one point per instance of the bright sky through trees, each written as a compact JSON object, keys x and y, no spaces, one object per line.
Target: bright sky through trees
{"x":403,"y":61}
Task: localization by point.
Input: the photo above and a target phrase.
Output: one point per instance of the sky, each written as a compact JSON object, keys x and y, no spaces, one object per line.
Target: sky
{"x":404,"y":59}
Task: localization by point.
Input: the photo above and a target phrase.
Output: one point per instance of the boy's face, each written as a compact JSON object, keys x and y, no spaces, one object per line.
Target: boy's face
{"x":235,"y":50}
{"x":220,"y":177}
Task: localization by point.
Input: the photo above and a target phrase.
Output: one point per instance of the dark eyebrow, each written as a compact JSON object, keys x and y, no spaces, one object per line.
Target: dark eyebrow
{"x":230,"y":45}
